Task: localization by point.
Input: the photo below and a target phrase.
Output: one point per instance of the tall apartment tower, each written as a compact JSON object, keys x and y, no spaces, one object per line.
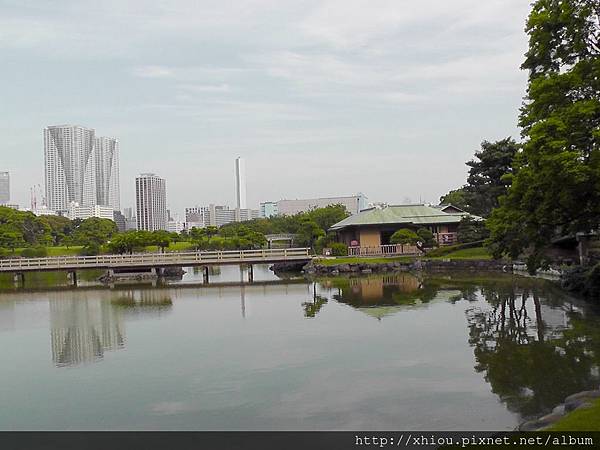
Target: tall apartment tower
{"x":70,"y":166}
{"x":107,"y":172}
{"x":240,"y":183}
{"x":151,"y":202}
{"x":4,"y":188}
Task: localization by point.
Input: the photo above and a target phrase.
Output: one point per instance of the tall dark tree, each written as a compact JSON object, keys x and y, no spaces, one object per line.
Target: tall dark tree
{"x":555,"y":190}
{"x":489,"y":176}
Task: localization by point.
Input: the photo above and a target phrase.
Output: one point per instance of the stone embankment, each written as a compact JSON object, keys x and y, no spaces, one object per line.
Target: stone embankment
{"x":393,"y":266}
{"x":166,"y":272}
{"x":583,"y":399}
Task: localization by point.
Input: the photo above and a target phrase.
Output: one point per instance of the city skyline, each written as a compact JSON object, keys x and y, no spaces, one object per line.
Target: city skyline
{"x":314,"y":98}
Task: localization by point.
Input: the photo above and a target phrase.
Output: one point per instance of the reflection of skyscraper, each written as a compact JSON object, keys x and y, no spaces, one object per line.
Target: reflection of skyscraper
{"x":83,"y":329}
{"x":240,"y":183}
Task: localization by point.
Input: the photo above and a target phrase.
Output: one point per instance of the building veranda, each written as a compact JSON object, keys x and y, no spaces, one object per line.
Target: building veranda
{"x":368,"y":232}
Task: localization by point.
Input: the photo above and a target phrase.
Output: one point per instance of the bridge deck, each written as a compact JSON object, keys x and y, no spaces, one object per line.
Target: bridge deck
{"x":149,"y":260}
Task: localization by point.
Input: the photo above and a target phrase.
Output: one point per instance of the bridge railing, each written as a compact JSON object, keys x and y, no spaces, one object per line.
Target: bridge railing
{"x":152,"y":259}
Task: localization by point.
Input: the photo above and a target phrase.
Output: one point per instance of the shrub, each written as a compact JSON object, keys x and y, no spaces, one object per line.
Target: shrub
{"x":426,"y":237}
{"x":91,"y":249}
{"x":34,"y":252}
{"x":442,"y":251}
{"x":404,"y":236}
{"x":339,"y":249}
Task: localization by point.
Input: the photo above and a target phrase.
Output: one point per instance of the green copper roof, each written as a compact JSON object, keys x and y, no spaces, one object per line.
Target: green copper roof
{"x":401,"y":214}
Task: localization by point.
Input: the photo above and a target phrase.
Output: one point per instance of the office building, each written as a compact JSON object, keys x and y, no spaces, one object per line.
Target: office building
{"x":151,"y":202}
{"x":107,"y":172}
{"x":4,"y":188}
{"x":120,"y":221}
{"x":195,"y":214}
{"x":80,"y":168}
{"x":354,"y":204}
{"x":240,"y":183}
{"x":175,"y":226}
{"x":76,"y":211}
{"x":268,"y":209}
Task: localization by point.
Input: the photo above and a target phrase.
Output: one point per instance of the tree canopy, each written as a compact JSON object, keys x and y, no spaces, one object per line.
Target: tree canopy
{"x":555,"y":188}
{"x":488,"y":179}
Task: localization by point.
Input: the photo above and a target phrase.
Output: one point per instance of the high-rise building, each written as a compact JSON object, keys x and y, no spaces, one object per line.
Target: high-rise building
{"x":4,"y":188}
{"x":151,"y":202}
{"x":268,"y":209}
{"x":240,"y":183}
{"x":69,"y":166}
{"x":107,"y":172}
{"x":80,"y":168}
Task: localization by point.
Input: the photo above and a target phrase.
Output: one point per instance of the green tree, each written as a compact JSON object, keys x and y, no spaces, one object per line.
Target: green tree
{"x":161,"y":238}
{"x":457,"y":197}
{"x":94,"y":231}
{"x":404,"y":236}
{"x":61,"y":228}
{"x":308,"y":232}
{"x":471,"y":230}
{"x":488,"y":179}
{"x":327,"y":216}
{"x":555,"y":189}
{"x":426,"y":238}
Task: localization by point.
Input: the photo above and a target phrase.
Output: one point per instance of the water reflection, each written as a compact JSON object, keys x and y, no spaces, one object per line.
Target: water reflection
{"x":83,"y":329}
{"x":384,"y":295}
{"x":533,"y":349}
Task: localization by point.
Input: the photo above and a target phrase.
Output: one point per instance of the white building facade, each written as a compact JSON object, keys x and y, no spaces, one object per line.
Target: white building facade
{"x":151,"y":202}
{"x":85,"y":212}
{"x":240,"y":183}
{"x":107,"y":172}
{"x":4,"y":188}
{"x":80,"y":168}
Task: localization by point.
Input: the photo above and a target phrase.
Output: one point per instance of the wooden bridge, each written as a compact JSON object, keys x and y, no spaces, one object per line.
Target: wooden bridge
{"x":152,"y":261}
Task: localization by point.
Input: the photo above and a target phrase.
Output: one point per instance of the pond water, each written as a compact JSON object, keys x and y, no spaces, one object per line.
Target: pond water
{"x":443,"y":352}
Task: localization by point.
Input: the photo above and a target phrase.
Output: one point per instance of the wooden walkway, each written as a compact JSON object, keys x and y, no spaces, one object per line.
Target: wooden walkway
{"x":154,"y":260}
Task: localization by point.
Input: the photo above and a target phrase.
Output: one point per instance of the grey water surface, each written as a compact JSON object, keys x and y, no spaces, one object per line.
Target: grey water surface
{"x":398,"y":351}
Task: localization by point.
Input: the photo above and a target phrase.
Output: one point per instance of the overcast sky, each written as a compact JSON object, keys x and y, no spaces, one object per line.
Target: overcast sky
{"x":322,"y":98}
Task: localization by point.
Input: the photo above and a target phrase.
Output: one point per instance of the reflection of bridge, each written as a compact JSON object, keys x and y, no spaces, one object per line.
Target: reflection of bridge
{"x":152,"y":261}
{"x":287,"y":237}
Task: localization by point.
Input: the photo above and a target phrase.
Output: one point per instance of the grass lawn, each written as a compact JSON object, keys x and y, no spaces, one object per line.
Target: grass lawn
{"x":584,"y":419}
{"x":467,"y":253}
{"x":53,"y":251}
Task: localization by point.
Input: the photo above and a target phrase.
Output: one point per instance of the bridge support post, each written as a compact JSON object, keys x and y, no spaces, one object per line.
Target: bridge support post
{"x":72,"y":277}
{"x":19,"y":278}
{"x":205,"y":275}
{"x":250,"y":273}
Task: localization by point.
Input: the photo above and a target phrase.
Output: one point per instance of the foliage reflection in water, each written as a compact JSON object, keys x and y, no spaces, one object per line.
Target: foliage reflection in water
{"x":532,"y":344}
{"x":397,"y":351}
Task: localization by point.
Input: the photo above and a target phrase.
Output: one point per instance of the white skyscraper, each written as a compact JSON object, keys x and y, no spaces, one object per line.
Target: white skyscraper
{"x":151,"y":202}
{"x":107,"y":172}
{"x":4,"y":188}
{"x":69,"y":166}
{"x":240,"y":183}
{"x":80,"y":168}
